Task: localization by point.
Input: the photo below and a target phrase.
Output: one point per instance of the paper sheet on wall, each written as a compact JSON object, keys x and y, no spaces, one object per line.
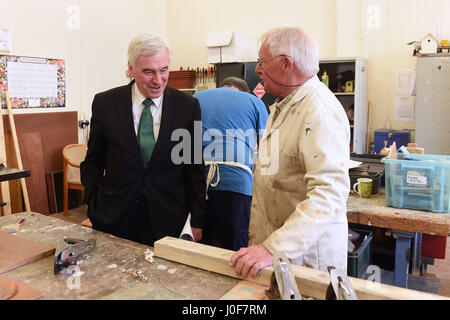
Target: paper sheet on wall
{"x":32,"y":80}
{"x":5,"y":40}
{"x":404,"y":109}
{"x":405,"y":81}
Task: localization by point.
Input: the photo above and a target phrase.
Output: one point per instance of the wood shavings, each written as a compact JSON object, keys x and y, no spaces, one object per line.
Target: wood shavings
{"x":172,"y":271}
{"x":148,"y":256}
{"x":161,"y":267}
{"x":138,"y":274}
{"x":112,"y":266}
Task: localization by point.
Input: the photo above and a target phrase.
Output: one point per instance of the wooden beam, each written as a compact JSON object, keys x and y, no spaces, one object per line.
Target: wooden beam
{"x":311,"y":282}
{"x":16,"y":148}
{"x":4,"y":186}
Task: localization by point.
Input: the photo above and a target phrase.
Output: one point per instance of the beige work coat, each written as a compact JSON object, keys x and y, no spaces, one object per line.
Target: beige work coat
{"x":301,"y":181}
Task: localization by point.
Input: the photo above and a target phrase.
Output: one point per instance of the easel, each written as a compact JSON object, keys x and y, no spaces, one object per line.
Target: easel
{"x":4,"y":185}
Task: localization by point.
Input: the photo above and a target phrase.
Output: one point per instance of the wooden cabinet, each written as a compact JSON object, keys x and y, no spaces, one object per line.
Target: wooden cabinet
{"x":348,"y":81}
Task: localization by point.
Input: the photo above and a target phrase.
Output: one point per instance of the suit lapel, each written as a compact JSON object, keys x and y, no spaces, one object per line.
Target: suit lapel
{"x":125,"y":109}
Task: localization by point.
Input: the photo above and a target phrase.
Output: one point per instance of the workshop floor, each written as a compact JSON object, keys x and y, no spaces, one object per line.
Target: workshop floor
{"x":440,"y":270}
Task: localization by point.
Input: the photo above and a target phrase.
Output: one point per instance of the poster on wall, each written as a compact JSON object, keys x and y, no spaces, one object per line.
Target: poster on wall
{"x":5,"y":40}
{"x":33,"y":82}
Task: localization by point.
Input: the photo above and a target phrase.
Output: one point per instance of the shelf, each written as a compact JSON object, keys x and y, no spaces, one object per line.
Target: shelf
{"x":12,"y":174}
{"x":344,"y":93}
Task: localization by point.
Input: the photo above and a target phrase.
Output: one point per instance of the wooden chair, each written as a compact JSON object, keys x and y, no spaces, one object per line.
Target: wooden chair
{"x":73,"y":155}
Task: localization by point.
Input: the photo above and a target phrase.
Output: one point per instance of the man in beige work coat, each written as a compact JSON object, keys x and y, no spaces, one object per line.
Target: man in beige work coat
{"x":301,"y":181}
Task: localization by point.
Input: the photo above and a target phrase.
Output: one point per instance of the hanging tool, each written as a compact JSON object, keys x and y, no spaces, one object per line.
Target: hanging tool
{"x":340,"y":288}
{"x":69,"y":255}
{"x":283,"y":285}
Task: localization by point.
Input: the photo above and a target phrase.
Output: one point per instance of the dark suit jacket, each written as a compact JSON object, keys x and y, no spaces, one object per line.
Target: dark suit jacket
{"x":114,"y":175}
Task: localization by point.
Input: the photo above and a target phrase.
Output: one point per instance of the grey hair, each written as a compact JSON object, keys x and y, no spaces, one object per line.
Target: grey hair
{"x":296,"y":43}
{"x":147,"y":44}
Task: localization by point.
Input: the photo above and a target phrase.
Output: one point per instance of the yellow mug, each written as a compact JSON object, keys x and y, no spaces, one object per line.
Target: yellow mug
{"x":365,"y":187}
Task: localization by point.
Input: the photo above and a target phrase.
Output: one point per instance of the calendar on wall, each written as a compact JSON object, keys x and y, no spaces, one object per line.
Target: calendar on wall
{"x":33,"y":82}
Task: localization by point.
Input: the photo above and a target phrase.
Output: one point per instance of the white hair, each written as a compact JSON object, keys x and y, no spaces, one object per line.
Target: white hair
{"x":296,"y":43}
{"x":147,"y":44}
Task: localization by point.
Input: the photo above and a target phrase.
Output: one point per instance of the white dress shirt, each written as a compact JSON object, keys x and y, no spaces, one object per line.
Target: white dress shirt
{"x":137,"y":99}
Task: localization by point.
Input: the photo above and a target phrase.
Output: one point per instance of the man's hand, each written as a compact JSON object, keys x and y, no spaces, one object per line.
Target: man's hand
{"x":197,"y":233}
{"x":253,"y":259}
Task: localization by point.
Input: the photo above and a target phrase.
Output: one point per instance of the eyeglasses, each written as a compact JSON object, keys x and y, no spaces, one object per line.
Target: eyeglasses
{"x":260,"y":61}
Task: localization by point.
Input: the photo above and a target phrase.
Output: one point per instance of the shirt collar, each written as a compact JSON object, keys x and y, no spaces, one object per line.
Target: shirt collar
{"x":139,"y":98}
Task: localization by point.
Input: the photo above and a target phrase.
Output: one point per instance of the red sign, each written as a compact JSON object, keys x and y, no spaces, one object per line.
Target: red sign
{"x":259,"y":90}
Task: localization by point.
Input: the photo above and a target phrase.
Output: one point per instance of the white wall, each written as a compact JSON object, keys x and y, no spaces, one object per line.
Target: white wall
{"x":189,"y":21}
{"x":95,"y":54}
{"x":107,"y":28}
{"x":380,"y":30}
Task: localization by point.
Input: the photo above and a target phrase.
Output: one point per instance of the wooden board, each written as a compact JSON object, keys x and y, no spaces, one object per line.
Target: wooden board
{"x":57,"y":130}
{"x":4,"y":186}
{"x":204,"y":257}
{"x":52,"y":208}
{"x":31,"y":150}
{"x":246,"y":290}
{"x":16,"y":251}
{"x":17,"y":151}
{"x":310,"y":282}
{"x":18,"y":290}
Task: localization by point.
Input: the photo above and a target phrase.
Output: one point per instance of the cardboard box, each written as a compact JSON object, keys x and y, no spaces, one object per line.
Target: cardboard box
{"x":231,"y":46}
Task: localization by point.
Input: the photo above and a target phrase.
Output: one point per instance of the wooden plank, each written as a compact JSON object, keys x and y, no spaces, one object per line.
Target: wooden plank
{"x":4,"y":186}
{"x":57,"y":129}
{"x":14,"y":185}
{"x":33,"y":160}
{"x":20,"y":291}
{"x":311,"y":283}
{"x":204,"y":257}
{"x":246,"y":290}
{"x":52,"y":207}
{"x":16,"y":251}
{"x":16,"y":148}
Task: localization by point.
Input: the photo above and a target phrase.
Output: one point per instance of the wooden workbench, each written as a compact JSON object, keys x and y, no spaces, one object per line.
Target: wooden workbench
{"x":107,"y":271}
{"x":406,"y":225}
{"x":374,"y":212}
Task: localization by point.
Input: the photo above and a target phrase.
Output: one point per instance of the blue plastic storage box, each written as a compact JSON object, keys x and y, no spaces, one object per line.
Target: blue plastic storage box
{"x":421,"y":181}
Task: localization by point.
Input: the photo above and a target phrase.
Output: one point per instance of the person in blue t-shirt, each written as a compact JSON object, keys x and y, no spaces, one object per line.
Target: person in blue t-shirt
{"x":233,"y":120}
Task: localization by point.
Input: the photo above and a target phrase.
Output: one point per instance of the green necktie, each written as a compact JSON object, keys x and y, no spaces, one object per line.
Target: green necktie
{"x":145,"y":135}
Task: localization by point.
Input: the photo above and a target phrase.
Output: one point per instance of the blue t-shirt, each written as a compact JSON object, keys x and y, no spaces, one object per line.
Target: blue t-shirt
{"x":232,"y":122}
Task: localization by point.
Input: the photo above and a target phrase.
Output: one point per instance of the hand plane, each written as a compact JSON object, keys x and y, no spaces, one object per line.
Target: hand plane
{"x":66,"y":256}
{"x":283,"y":283}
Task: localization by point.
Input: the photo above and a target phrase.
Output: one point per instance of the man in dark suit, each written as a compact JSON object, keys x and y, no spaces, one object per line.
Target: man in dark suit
{"x":136,"y":187}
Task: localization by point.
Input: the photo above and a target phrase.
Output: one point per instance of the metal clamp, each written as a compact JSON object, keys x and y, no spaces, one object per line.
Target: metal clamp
{"x":341,"y":286}
{"x":285,"y":282}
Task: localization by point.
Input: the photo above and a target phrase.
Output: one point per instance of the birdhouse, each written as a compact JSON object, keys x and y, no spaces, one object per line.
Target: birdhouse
{"x":429,"y":44}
